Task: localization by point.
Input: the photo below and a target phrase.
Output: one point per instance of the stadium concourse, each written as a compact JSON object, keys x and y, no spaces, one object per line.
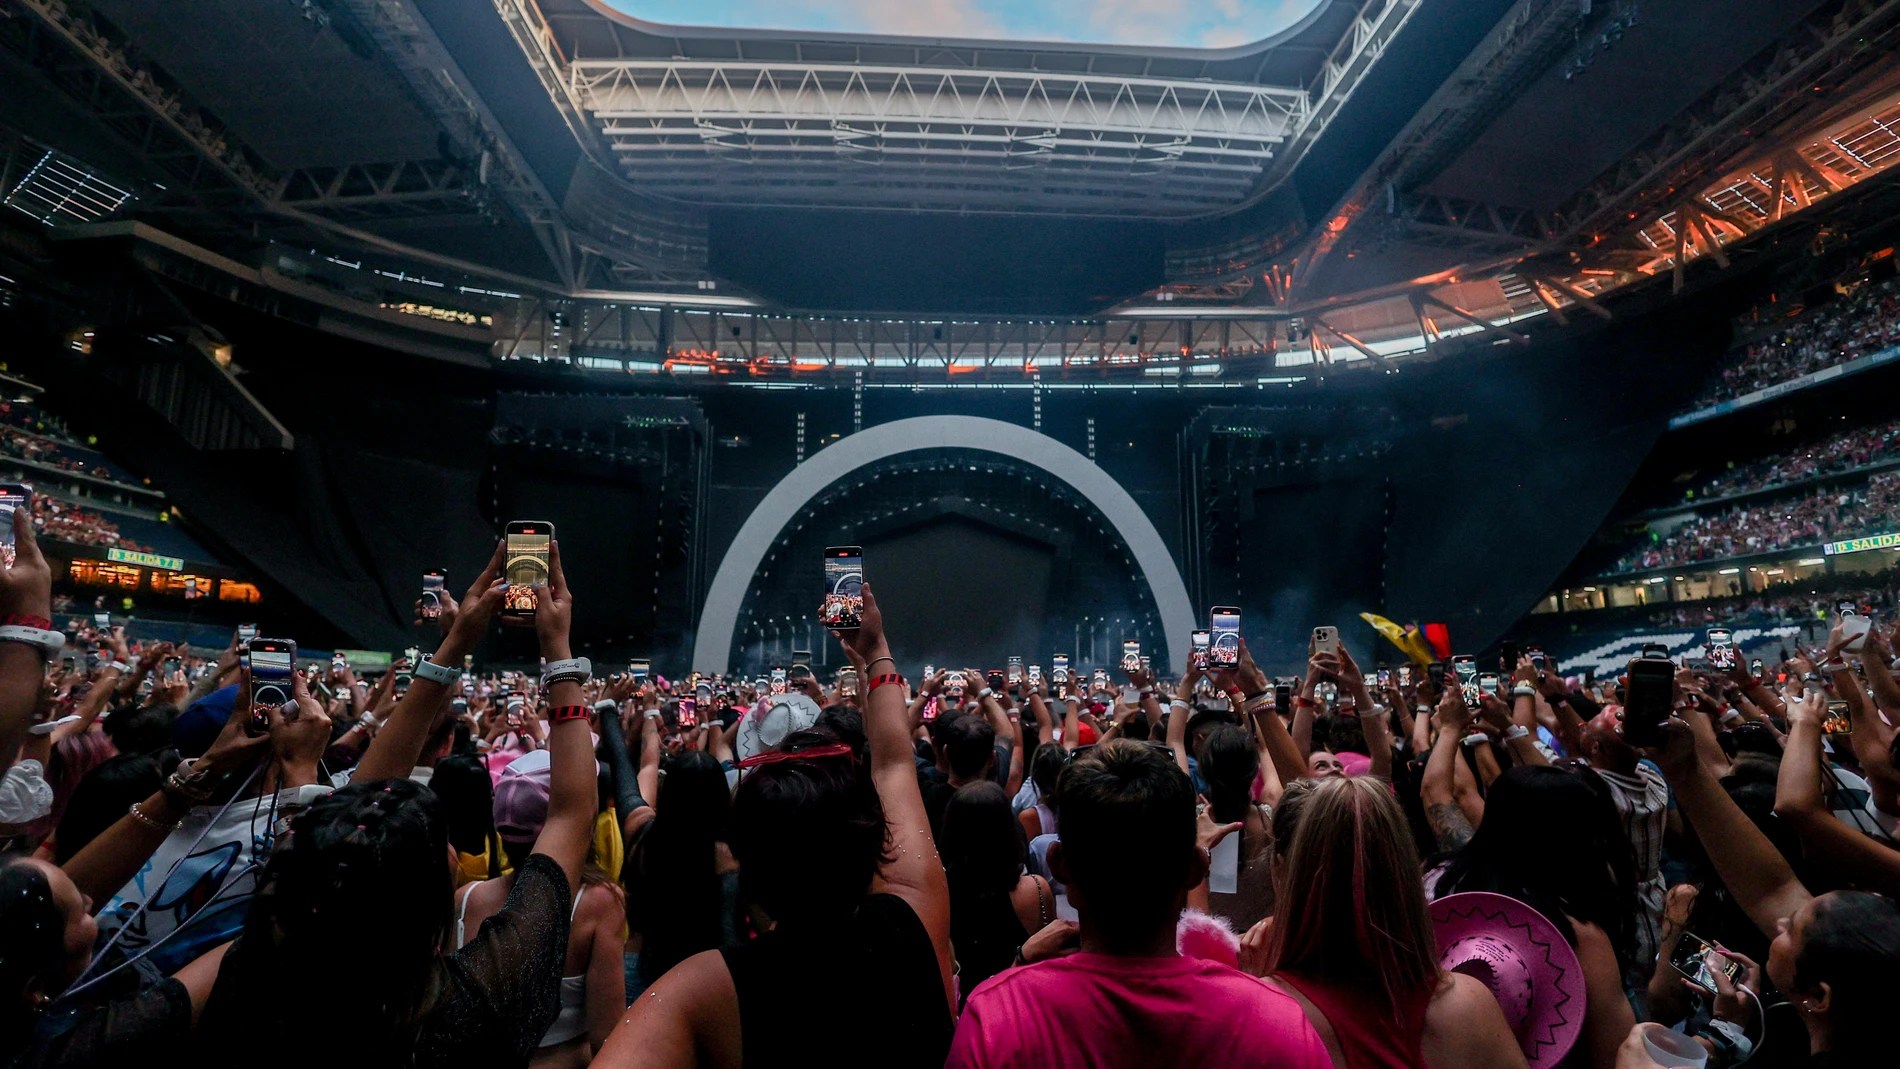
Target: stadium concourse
{"x":1353,"y":533}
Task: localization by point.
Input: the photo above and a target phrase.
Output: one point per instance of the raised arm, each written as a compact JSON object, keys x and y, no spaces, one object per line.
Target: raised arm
{"x":1755,"y":873}
{"x":915,"y":873}
{"x":1373,"y":727}
{"x":398,"y":742}
{"x":572,"y":792}
{"x":26,"y":591}
{"x":115,"y":855}
{"x":1288,"y":759}
{"x":1438,"y":785}
{"x":1851,"y":854}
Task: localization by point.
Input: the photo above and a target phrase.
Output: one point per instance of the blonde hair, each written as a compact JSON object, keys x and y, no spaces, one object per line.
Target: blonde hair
{"x":1351,"y":901}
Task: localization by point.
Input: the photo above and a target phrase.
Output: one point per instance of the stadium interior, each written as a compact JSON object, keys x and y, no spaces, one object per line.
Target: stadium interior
{"x":1507,"y":315}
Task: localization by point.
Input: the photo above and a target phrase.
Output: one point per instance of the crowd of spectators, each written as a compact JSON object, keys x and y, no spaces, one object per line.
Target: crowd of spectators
{"x":1741,"y":530}
{"x":1771,"y":607}
{"x":1864,"y":321}
{"x":41,"y":450}
{"x":1837,"y":453}
{"x":1338,"y":870}
{"x":60,"y":519}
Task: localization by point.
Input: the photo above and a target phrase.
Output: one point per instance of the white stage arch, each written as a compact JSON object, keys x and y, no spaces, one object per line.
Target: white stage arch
{"x":712,"y":649}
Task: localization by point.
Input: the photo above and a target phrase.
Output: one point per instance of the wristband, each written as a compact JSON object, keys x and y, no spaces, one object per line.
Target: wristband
{"x":1304,"y":702}
{"x":1177,"y":703}
{"x":893,"y":677}
{"x":22,"y":619}
{"x":575,"y":669}
{"x":1422,"y":710}
{"x":984,"y":693}
{"x":562,"y":713}
{"x":1523,"y":690}
{"x":46,"y":640}
{"x":1516,"y":731}
{"x":435,"y":673}
{"x":1476,"y":738}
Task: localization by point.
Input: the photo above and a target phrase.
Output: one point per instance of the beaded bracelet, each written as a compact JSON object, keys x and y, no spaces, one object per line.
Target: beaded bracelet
{"x":562,"y":713}
{"x":151,"y":822}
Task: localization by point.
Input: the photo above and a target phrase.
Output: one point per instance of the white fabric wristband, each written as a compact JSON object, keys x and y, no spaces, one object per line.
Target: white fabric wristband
{"x":49,"y":643}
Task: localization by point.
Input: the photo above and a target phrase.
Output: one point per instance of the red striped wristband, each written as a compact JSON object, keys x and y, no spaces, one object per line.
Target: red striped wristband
{"x":569,"y":712}
{"x":878,"y":681}
{"x":21,"y":619}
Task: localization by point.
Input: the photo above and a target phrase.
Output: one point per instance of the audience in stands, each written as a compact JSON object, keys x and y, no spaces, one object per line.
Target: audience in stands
{"x":1862,"y":322}
{"x":1821,"y":516}
{"x":1834,"y":455}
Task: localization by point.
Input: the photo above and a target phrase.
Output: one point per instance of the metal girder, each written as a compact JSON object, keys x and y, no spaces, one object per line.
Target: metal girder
{"x":1378,"y":22}
{"x":967,"y":138}
{"x":1724,"y":122}
{"x":378,"y":190}
{"x":1459,"y":223}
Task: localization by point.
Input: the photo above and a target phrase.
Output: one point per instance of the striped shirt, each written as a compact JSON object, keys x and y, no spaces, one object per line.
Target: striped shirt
{"x":1642,"y":803}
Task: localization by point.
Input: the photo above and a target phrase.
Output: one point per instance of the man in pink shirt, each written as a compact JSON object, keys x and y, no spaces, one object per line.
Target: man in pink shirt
{"x":1128,"y":858}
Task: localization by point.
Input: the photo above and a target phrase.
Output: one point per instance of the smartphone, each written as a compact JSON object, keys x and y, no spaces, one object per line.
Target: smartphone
{"x":1721,"y":647}
{"x":1647,"y":699}
{"x":1507,"y":657}
{"x":929,"y":670}
{"x":1405,"y":675}
{"x":1854,"y":626}
{"x":1099,"y":679}
{"x":1836,"y":721}
{"x":1696,"y":959}
{"x":801,"y":658}
{"x":639,"y":670}
{"x":932,"y":708}
{"x":777,"y":683}
{"x":1059,"y":668}
{"x":689,"y":712}
{"x":1755,"y":667}
{"x":432,"y":593}
{"x":1328,"y":693}
{"x":1282,"y":698}
{"x":102,"y":620}
{"x":995,"y":680}
{"x":1015,"y":671}
{"x":1035,"y":674}
{"x":955,"y":683}
{"x":1384,"y":676}
{"x":1488,"y":683}
{"x":530,"y":548}
{"x":1539,"y":660}
{"x":843,"y":608}
{"x":273,"y":662}
{"x":13,"y":497}
{"x":1325,"y":639}
{"x":1202,"y":642}
{"x":245,"y":633}
{"x":338,"y":663}
{"x":1224,"y":641}
{"x":1131,"y":654}
{"x":1465,"y":667}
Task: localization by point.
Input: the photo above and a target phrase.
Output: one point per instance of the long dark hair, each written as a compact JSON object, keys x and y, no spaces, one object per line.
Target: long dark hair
{"x":1851,"y":942}
{"x":102,"y":796}
{"x":983,"y":850}
{"x":672,"y":880}
{"x":32,"y":947}
{"x":1588,"y":872}
{"x":468,"y":804}
{"x":808,"y":834}
{"x":358,"y":899}
{"x":1229,"y":761}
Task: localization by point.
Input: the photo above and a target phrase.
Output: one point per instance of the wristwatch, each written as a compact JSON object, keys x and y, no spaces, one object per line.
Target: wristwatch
{"x":436,"y":673}
{"x":574,"y":669}
{"x":49,"y":643}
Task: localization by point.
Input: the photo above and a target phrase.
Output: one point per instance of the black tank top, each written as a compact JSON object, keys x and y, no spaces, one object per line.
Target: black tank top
{"x":879,"y":963}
